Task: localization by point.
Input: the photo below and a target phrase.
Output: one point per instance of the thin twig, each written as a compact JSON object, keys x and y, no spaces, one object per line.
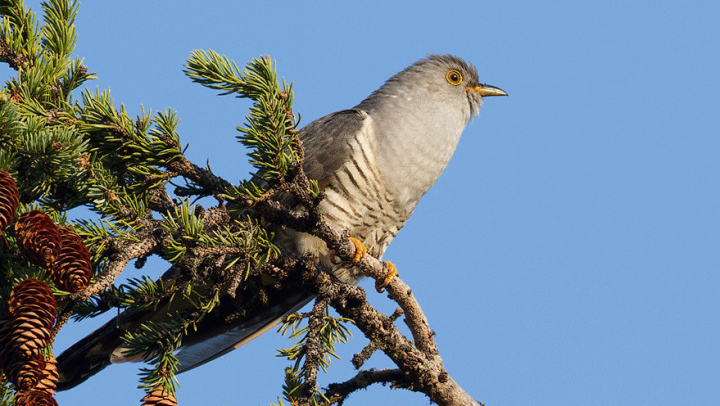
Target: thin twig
{"x":313,"y":351}
{"x":123,"y":254}
{"x":338,"y":392}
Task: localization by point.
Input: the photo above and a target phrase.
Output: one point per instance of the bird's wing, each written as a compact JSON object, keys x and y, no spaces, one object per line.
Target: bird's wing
{"x":327,"y":142}
{"x":194,"y":355}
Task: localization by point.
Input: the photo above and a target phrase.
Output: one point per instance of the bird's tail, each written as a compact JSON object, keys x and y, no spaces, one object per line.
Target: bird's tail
{"x":213,"y":337}
{"x":88,"y":356}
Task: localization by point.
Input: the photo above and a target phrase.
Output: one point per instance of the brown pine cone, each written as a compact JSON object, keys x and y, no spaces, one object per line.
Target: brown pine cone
{"x":68,"y":234}
{"x":33,"y":296}
{"x":35,"y":398}
{"x":28,"y":337}
{"x":50,"y":377}
{"x":28,"y":330}
{"x":38,"y":238}
{"x":159,"y":397}
{"x":25,"y":374}
{"x":9,"y":199}
{"x":72,"y":269}
{"x":43,"y":312}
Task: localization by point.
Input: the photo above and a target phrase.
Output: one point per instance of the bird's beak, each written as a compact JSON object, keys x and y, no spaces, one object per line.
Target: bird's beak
{"x":487,"y":90}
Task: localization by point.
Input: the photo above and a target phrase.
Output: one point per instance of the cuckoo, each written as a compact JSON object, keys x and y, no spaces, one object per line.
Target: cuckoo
{"x":374,"y":162}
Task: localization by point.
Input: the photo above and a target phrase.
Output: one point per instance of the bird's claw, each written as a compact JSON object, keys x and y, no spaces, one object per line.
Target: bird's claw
{"x":392,"y":273}
{"x":360,"y":252}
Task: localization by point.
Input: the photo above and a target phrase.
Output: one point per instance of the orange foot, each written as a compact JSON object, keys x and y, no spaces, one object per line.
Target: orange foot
{"x":360,"y":251}
{"x":392,"y":273}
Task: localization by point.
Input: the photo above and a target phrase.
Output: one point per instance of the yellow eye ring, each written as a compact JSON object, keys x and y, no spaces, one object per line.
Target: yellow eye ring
{"x":454,"y":77}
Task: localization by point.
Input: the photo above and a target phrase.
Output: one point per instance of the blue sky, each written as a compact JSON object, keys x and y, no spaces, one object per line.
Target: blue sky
{"x":569,"y":253}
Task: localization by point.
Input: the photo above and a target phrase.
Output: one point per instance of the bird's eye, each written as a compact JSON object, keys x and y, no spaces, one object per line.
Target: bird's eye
{"x":454,"y":77}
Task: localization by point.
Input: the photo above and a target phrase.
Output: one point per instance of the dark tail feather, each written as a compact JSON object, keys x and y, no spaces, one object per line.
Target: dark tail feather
{"x":88,"y":356}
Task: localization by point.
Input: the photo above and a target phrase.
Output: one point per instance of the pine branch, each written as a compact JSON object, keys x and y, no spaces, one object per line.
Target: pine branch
{"x":337,"y":393}
{"x":67,"y":153}
{"x":315,"y":347}
{"x":59,"y":35}
{"x":418,"y":359}
{"x":270,"y":133}
{"x":20,"y":40}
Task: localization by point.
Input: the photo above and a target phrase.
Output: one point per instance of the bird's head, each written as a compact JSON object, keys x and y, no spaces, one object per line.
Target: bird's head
{"x":438,"y":80}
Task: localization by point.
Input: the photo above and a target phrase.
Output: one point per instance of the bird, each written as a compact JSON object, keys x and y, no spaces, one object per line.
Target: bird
{"x":374,"y":163}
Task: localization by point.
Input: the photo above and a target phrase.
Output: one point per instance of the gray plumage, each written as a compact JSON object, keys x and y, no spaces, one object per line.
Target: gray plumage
{"x":378,"y":159}
{"x":374,"y":161}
